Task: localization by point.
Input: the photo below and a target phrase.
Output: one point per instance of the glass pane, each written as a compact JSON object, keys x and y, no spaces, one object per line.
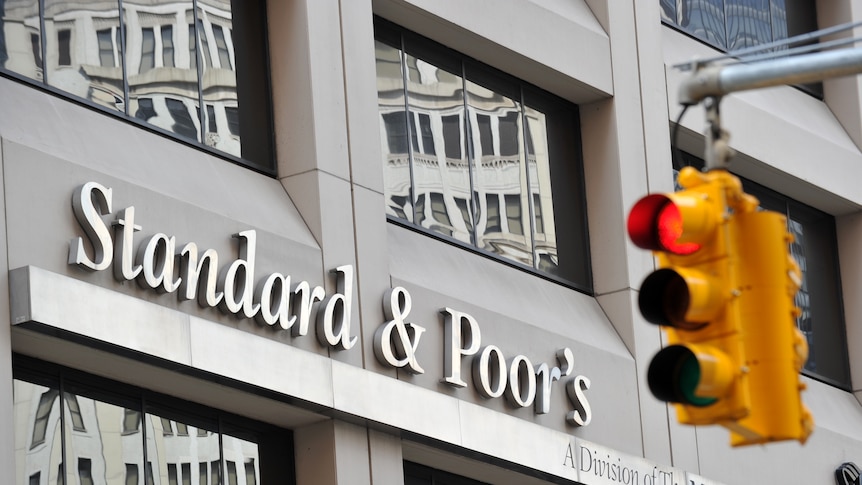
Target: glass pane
{"x":132,"y":475}
{"x":163,"y":82}
{"x":748,"y":23}
{"x":441,"y":170}
{"x":241,"y":458}
{"x":539,"y":163}
{"x":76,"y":51}
{"x":148,"y":49}
{"x":36,"y":412}
{"x":821,"y":320}
{"x":172,"y":454}
{"x":20,"y":39}
{"x":668,"y":10}
{"x":499,"y":175}
{"x":219,"y":79}
{"x":393,"y":129}
{"x":704,"y":19}
{"x":101,"y":452}
{"x":167,"y":34}
{"x":779,"y":19}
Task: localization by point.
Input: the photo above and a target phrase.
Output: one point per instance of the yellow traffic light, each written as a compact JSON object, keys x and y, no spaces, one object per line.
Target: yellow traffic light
{"x":768,"y":278}
{"x":723,"y":290}
{"x":691,"y":296}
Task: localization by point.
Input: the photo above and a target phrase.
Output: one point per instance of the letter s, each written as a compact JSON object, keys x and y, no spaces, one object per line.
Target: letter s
{"x":89,"y":203}
{"x":582,"y":414}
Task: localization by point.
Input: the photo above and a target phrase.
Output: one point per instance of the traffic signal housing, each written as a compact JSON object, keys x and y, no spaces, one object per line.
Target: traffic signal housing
{"x":723,"y":291}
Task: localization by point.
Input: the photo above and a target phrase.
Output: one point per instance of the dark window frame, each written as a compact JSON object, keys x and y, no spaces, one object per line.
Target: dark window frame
{"x":416,"y":474}
{"x":835,"y":329}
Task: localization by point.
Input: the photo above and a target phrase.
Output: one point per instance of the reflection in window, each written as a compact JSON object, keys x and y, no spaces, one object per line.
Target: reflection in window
{"x":148,"y":50}
{"x":250,"y":473}
{"x":106,"y":47}
{"x":172,"y":474}
{"x":182,"y":119}
{"x":513,"y":213}
{"x":21,"y":47}
{"x":110,"y":449}
{"x":231,"y":473}
{"x":115,"y":54}
{"x":205,"y":53}
{"x":131,"y":421}
{"x":736,"y":24}
{"x":40,"y":423}
{"x":36,"y":48}
{"x":131,"y":474}
{"x":85,"y":471}
{"x":221,"y":47}
{"x":469,"y":152}
{"x":167,"y":32}
{"x":187,"y":473}
{"x":145,"y":109}
{"x":64,"y":47}
{"x":74,"y":412}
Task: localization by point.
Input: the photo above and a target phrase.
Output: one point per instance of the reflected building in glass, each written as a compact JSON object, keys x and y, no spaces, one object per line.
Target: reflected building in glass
{"x":467,"y":158}
{"x":160,"y":64}
{"x":105,"y":443}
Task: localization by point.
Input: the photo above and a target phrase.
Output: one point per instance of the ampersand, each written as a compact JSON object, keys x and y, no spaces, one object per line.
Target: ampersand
{"x":398,"y":349}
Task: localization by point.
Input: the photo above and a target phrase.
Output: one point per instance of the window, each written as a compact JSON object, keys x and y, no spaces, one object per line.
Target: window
{"x":148,"y":50}
{"x":131,"y":421}
{"x":64,"y":47}
{"x":103,"y":54}
{"x":415,"y":474}
{"x":75,"y":412}
{"x":468,"y":151}
{"x":735,"y":24}
{"x":107,"y":49}
{"x":221,"y":47}
{"x":167,"y":32}
{"x":131,"y":474}
{"x":190,"y":458}
{"x":36,"y":47}
{"x":43,"y":411}
{"x":815,"y":249}
{"x":85,"y":471}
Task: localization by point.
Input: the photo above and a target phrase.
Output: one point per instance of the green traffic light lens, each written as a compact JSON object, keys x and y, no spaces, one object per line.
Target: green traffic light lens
{"x":675,"y":374}
{"x":688,"y":377}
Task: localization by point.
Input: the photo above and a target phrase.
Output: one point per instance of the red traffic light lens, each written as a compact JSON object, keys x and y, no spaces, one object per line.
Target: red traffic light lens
{"x":656,"y":223}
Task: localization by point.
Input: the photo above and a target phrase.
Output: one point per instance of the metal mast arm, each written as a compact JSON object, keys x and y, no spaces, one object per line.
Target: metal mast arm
{"x":716,"y":81}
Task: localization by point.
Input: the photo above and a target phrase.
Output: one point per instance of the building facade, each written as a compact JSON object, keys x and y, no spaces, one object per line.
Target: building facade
{"x":384,"y":241}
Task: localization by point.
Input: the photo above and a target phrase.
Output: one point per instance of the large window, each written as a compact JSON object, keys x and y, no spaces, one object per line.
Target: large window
{"x":106,"y":432}
{"x":130,"y":58}
{"x":476,"y":157}
{"x":735,"y":24}
{"x":815,"y":249}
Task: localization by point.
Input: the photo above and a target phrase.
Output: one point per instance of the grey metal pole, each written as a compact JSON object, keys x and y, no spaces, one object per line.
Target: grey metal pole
{"x":716,"y":81}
